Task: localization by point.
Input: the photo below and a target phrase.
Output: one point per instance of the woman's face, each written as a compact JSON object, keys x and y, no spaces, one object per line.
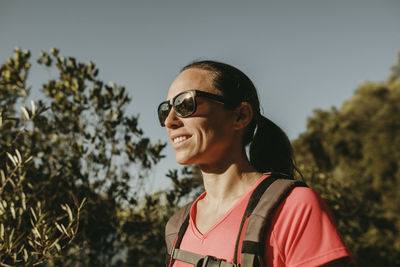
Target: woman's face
{"x":207,"y":136}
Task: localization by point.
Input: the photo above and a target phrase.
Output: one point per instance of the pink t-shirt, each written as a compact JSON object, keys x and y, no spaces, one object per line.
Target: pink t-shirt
{"x":303,"y":232}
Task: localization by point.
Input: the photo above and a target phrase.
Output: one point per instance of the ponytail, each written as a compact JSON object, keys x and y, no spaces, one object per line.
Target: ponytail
{"x":270,"y":149}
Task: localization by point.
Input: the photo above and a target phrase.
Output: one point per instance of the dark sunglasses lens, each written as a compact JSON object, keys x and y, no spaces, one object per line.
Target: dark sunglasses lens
{"x":184,"y":105}
{"x":163,"y":111}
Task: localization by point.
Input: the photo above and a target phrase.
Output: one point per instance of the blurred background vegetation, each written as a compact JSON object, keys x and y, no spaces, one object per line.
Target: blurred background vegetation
{"x":73,"y":169}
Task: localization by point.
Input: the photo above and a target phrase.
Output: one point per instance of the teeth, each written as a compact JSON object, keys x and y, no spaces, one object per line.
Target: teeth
{"x":179,"y":139}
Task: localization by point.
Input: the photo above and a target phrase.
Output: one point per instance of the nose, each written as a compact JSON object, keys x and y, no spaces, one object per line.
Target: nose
{"x":172,"y":120}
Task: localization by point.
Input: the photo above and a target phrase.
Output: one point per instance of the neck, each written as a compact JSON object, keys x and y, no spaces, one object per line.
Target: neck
{"x":228,"y":182}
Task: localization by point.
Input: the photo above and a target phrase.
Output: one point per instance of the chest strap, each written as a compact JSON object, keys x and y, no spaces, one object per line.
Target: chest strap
{"x":199,"y":260}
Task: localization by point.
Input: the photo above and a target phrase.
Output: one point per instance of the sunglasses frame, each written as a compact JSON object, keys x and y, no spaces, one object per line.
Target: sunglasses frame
{"x":193,"y":94}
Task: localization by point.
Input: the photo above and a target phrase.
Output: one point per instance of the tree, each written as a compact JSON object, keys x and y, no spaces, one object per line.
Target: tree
{"x":351,"y":156}
{"x":143,"y":225}
{"x":83,"y":146}
{"x":29,"y":234}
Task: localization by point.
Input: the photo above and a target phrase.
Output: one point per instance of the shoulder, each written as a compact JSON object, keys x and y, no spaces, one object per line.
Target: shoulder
{"x":302,"y":214}
{"x":303,"y":207}
{"x":303,"y":199}
{"x":304,"y":232}
{"x":174,"y":223}
{"x":303,"y":193}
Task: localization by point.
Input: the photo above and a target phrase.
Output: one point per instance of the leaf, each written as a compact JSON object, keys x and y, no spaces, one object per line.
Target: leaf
{"x":25,"y":113}
{"x":12,"y":159}
{"x":3,"y":177}
{"x":33,"y":213}
{"x":36,"y":232}
{"x":33,"y":107}
{"x":28,"y":159}
{"x":71,"y":218}
{"x":2,"y":231}
{"x":59,"y":227}
{"x":12,"y":210}
{"x":18,"y":155}
{"x":26,"y":256}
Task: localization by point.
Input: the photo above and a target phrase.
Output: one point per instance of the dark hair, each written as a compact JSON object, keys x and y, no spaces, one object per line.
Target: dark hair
{"x":270,"y":148}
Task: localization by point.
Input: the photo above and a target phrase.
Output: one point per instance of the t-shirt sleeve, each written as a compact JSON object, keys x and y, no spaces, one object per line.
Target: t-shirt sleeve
{"x":303,"y":232}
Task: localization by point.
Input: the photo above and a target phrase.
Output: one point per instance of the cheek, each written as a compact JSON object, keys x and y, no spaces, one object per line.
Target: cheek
{"x":223,"y":124}
{"x":219,"y":133}
{"x":213,"y":128}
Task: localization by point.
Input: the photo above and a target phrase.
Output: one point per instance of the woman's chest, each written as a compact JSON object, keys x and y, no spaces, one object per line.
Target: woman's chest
{"x":218,"y":237}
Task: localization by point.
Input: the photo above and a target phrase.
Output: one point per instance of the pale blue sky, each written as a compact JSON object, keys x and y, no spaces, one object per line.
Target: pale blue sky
{"x":301,"y":55}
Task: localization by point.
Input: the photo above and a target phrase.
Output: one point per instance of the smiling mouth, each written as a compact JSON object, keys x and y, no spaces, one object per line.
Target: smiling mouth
{"x":179,"y":139}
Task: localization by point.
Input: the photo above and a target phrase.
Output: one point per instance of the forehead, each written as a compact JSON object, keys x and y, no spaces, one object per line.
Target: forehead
{"x":192,"y":79}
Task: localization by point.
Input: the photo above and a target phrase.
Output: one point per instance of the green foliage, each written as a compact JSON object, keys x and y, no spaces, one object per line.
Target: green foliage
{"x":147,"y":220}
{"x":83,"y":146}
{"x":351,"y":156}
{"x":30,"y":233}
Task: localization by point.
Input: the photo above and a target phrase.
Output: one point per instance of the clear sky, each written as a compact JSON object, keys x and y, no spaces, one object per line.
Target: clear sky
{"x":301,"y":54}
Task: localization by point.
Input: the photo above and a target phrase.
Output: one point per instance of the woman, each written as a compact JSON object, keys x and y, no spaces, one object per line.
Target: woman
{"x":211,"y":115}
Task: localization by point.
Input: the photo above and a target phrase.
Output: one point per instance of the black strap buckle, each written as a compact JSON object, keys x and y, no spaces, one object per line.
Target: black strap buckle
{"x":208,"y":261}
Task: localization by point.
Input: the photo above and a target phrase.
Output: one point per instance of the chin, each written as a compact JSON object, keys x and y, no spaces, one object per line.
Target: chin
{"x":184,"y":159}
{"x":183,"y":162}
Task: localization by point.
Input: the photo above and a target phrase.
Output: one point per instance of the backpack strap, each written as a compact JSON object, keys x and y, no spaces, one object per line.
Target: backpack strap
{"x":257,"y":218}
{"x":199,"y":260}
{"x":175,"y":229}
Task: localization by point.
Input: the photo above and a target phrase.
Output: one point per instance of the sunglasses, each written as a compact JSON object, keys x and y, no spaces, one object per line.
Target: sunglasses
{"x":184,"y":104}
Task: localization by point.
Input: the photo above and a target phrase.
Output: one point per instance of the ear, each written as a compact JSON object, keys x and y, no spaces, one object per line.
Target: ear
{"x":243,"y":115}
